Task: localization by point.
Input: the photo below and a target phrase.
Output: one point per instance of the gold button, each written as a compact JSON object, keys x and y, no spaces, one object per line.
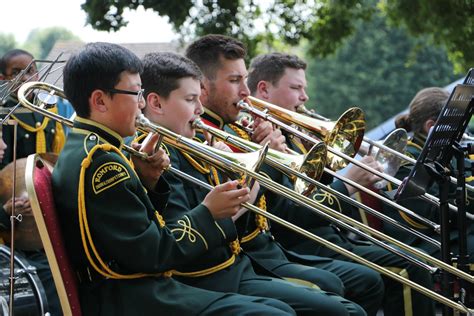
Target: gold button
{"x":38,"y":124}
{"x":27,"y":136}
{"x":53,"y":131}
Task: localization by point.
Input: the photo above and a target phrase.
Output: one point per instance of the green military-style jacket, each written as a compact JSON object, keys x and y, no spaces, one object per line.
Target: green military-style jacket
{"x":26,"y":140}
{"x":223,"y":267}
{"x":127,"y":231}
{"x":423,"y":208}
{"x":254,"y":230}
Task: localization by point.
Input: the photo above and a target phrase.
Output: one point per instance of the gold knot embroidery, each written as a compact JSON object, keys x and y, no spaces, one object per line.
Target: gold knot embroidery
{"x":324,"y":196}
{"x":188,"y":231}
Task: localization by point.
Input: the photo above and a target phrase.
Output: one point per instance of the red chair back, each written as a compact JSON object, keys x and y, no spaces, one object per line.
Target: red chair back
{"x":38,"y":184}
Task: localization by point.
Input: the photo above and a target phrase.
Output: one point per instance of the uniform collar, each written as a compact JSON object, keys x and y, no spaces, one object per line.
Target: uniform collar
{"x":211,"y":118}
{"x":103,"y":131}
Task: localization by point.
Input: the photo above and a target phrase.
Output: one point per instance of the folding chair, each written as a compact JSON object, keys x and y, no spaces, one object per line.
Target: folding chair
{"x":38,"y":183}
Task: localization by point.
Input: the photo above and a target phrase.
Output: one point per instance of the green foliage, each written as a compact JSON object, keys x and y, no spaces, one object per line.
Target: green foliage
{"x":379,"y":69}
{"x":7,"y":42}
{"x":41,"y":41}
{"x":325,"y":24}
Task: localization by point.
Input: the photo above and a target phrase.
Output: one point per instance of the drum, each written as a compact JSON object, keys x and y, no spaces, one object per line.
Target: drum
{"x":29,"y":298}
{"x":26,"y":234}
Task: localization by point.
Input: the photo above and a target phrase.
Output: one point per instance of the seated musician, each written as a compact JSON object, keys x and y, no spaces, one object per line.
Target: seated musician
{"x":35,"y":133}
{"x":280,"y":79}
{"x":424,"y":109}
{"x":172,"y":89}
{"x":119,"y":244}
{"x":221,"y":59}
{"x":11,"y":64}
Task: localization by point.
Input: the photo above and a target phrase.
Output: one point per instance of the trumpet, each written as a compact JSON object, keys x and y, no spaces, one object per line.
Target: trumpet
{"x":273,"y":159}
{"x":212,"y":156}
{"x":294,"y":118}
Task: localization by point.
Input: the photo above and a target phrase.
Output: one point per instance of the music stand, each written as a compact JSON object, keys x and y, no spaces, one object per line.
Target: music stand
{"x":433,"y":164}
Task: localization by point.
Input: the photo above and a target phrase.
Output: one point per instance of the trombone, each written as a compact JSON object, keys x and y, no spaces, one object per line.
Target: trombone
{"x":215,"y":157}
{"x":272,"y":159}
{"x":303,"y":110}
{"x":312,"y":126}
{"x":429,"y":293}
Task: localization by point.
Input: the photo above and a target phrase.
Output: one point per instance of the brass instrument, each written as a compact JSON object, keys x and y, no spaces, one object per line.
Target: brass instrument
{"x":213,"y":156}
{"x":429,"y":293}
{"x":384,"y":147}
{"x":294,"y":118}
{"x":397,"y":141}
{"x":311,"y":164}
{"x":283,"y":165}
{"x":345,"y":135}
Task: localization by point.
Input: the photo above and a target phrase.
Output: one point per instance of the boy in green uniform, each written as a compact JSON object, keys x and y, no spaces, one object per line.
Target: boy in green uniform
{"x":222,"y":61}
{"x":172,"y":89}
{"x":424,"y":109}
{"x":120,"y":246}
{"x":280,"y":79}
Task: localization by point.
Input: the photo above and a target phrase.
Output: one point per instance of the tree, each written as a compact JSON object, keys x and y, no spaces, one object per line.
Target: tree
{"x":379,"y":69}
{"x":7,"y":42}
{"x":324,"y":23}
{"x":41,"y":41}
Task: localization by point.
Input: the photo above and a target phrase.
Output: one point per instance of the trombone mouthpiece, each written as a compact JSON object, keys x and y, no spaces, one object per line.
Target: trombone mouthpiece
{"x":197,"y":123}
{"x":141,"y":120}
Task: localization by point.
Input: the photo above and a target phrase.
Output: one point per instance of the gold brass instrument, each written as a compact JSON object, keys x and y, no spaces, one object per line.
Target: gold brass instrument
{"x":42,"y":108}
{"x":282,"y":164}
{"x":294,"y":118}
{"x":201,"y":151}
{"x":214,"y":157}
{"x":311,"y":164}
{"x":345,"y":134}
{"x":429,"y":293}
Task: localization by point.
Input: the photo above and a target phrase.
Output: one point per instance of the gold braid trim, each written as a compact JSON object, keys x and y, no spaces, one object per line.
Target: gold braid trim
{"x":207,"y":271}
{"x":260,"y":221}
{"x":101,"y":267}
{"x":240,"y":132}
{"x":235,"y":247}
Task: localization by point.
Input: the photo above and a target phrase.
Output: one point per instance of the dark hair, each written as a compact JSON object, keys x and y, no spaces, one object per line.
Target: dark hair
{"x":9,"y":55}
{"x":162,"y":71}
{"x":426,"y":105}
{"x":207,"y":51}
{"x":271,"y":67}
{"x":96,"y":66}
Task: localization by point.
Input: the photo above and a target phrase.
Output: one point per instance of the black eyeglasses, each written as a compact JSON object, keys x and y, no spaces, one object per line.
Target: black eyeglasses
{"x":138,"y":93}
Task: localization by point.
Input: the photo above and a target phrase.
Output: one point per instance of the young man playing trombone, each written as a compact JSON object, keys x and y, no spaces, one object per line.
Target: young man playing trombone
{"x":222,"y":61}
{"x":172,"y":89}
{"x":280,"y":79}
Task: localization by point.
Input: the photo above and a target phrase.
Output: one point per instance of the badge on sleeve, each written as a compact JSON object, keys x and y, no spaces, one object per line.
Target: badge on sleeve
{"x":108,"y":175}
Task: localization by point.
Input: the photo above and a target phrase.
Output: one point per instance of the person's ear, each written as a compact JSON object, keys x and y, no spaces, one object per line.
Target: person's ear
{"x":98,"y":101}
{"x":205,"y":89}
{"x":428,"y":124}
{"x":153,"y":101}
{"x":262,"y":89}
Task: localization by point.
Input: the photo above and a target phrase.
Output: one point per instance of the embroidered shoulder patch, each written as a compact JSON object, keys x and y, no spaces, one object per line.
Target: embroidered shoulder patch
{"x":108,"y":175}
